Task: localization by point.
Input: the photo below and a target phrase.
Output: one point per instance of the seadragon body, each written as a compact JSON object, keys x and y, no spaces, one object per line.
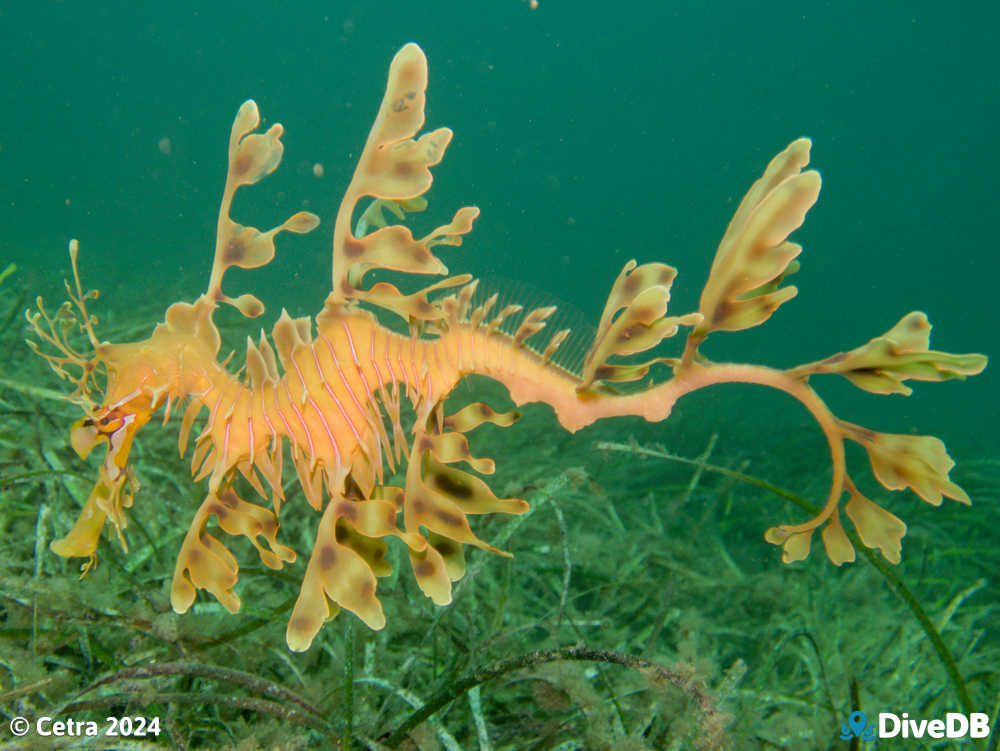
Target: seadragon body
{"x":332,"y":390}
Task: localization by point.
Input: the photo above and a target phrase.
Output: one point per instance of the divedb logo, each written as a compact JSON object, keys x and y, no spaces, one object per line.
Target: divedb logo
{"x":891,"y":725}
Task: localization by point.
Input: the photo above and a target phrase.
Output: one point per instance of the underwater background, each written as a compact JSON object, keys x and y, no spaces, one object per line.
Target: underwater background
{"x":588,"y":134}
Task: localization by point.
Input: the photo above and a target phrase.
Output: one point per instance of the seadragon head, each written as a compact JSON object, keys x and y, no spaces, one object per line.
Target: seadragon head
{"x":117,"y":399}
{"x":118,"y":387}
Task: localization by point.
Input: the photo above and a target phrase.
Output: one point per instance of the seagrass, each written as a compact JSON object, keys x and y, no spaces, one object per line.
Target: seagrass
{"x":331,"y":390}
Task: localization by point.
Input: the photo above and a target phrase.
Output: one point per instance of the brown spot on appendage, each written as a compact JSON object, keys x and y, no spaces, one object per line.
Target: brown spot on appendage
{"x":252,"y":310}
{"x":366,"y":589}
{"x":833,"y":359}
{"x":327,"y":557}
{"x":451,"y":486}
{"x":604,"y":371}
{"x":425,"y":568}
{"x":397,"y":498}
{"x":721,"y":313}
{"x":419,"y":505}
{"x":234,"y":251}
{"x":403,"y":169}
{"x":631,"y":285}
{"x":219,"y":510}
{"x":193,"y":557}
{"x":353,"y":248}
{"x":409,"y":76}
{"x":446,"y":548}
{"x":452,"y":520}
{"x":242,"y":162}
{"x":300,"y":625}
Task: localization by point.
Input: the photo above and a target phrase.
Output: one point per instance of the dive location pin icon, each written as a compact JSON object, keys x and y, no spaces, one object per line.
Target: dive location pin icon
{"x":858,"y":723}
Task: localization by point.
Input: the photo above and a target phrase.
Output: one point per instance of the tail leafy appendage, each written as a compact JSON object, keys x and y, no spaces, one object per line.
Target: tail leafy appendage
{"x":743,"y":289}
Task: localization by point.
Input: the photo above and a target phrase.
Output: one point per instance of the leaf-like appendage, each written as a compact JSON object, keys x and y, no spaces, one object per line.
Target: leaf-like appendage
{"x":394,"y":168}
{"x":902,"y":353}
{"x":342,"y":570}
{"x":795,"y":545}
{"x":205,"y":563}
{"x":641,"y":294}
{"x":439,"y":498}
{"x":876,"y":527}
{"x":415,"y":306}
{"x":249,"y":305}
{"x":838,"y":547}
{"x":400,"y":170}
{"x":393,"y":247}
{"x":918,"y":462}
{"x":754,"y":251}
{"x":475,"y":414}
{"x":81,"y":541}
{"x":252,"y":156}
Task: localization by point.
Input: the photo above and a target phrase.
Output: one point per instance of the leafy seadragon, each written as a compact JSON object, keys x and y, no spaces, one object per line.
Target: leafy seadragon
{"x":333,"y":391}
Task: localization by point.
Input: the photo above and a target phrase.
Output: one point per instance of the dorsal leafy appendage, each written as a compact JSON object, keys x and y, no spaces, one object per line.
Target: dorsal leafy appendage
{"x":327,"y":395}
{"x":395,"y":169}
